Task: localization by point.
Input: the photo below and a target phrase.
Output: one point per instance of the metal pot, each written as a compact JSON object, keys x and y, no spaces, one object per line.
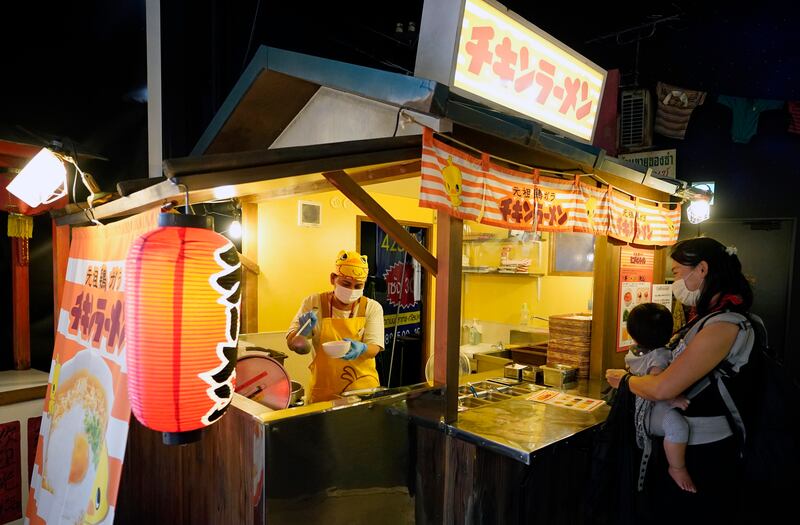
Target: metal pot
{"x":297,"y":394}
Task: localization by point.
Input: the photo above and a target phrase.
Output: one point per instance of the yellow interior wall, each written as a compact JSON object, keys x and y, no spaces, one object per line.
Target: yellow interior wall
{"x":499,"y":298}
{"x":296,"y":261}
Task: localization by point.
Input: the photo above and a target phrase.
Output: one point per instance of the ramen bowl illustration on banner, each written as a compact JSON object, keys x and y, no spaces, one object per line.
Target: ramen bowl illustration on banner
{"x":75,"y":466}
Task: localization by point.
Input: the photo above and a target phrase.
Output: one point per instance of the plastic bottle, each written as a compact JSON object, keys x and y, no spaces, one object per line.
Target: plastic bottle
{"x":474,"y":333}
{"x":524,"y":315}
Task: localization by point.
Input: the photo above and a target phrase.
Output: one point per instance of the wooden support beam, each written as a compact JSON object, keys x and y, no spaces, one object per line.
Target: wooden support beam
{"x":20,"y":300}
{"x":448,"y":309}
{"x":342,"y":182}
{"x":61,"y":239}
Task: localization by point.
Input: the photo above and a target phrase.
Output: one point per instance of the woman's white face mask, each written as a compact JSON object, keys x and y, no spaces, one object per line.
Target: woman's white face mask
{"x":347,"y":295}
{"x":684,"y":294}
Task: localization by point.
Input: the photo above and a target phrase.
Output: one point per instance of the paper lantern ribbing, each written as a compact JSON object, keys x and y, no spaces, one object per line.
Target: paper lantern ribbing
{"x":182,"y":295}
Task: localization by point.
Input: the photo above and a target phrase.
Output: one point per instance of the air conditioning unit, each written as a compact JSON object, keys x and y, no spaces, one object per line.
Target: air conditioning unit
{"x":636,"y":123}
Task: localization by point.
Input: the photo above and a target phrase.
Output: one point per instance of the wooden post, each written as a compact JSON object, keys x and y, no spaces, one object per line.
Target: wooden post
{"x":250,"y":282}
{"x":448,"y":309}
{"x":60,"y":258}
{"x":20,"y":299}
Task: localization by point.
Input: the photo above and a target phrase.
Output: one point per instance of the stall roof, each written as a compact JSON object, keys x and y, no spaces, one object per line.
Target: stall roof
{"x":293,"y":115}
{"x":277,"y":85}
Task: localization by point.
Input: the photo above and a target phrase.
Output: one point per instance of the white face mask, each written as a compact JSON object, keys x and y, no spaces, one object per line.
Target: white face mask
{"x":685,"y":295}
{"x":347,"y":295}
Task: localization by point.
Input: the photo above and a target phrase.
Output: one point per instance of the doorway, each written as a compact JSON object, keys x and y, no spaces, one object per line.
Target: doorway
{"x":766,"y":249}
{"x":400,"y":284}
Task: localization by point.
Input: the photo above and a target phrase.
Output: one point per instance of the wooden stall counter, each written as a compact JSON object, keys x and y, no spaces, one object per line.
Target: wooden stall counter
{"x":511,"y":460}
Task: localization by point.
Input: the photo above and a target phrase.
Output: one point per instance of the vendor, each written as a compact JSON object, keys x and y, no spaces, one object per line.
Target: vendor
{"x":341,"y":314}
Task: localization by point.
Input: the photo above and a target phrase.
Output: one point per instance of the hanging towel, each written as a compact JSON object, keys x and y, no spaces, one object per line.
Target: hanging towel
{"x":746,"y":112}
{"x":675,"y":106}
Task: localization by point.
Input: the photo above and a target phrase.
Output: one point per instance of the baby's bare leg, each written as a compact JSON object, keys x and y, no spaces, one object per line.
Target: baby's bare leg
{"x":676,"y":456}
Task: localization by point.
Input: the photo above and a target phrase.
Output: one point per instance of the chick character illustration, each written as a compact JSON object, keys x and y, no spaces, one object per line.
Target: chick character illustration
{"x":53,"y":386}
{"x":591,"y":209}
{"x":670,"y":224}
{"x":97,"y":507}
{"x":452,"y":181}
{"x":352,"y":264}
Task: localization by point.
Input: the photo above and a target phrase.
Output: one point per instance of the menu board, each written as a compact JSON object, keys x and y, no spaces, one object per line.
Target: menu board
{"x":635,"y":287}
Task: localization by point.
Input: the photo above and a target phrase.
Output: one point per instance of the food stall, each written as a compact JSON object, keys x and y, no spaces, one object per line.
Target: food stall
{"x":445,"y":449}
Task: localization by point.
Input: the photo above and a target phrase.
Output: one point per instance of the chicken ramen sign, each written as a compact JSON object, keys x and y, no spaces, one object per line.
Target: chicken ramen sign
{"x":503,"y":60}
{"x":84,"y":427}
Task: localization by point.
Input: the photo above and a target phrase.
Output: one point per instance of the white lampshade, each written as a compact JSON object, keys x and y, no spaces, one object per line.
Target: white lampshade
{"x":42,"y":181}
{"x":698,"y":211}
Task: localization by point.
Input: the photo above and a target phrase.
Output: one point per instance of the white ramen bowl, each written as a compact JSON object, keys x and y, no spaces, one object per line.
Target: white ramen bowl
{"x":336,"y":349}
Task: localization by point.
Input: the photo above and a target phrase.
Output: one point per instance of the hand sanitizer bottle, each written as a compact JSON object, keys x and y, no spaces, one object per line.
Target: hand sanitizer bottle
{"x":474,"y":333}
{"x":524,"y":315}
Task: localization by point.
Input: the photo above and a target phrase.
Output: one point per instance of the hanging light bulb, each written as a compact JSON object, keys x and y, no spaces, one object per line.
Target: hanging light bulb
{"x":698,"y":211}
{"x":235,"y":230}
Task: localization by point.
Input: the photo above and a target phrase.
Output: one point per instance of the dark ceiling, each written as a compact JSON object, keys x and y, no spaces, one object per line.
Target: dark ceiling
{"x":78,"y":69}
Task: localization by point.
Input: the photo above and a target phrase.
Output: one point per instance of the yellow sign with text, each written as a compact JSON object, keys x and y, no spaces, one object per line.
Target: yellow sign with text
{"x":404,"y":318}
{"x":510,"y":62}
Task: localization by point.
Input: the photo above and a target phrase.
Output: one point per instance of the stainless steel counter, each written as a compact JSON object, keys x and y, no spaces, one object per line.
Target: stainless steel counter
{"x":518,"y":428}
{"x":514,"y":427}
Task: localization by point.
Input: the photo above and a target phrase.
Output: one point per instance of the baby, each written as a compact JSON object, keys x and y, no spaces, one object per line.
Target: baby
{"x":650,"y":325}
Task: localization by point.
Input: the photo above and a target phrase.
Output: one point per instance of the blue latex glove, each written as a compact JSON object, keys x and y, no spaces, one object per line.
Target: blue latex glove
{"x":356,"y":349}
{"x":310,"y":328}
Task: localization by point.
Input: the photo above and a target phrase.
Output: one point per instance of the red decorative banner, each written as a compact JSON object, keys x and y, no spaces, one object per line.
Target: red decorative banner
{"x":10,"y":472}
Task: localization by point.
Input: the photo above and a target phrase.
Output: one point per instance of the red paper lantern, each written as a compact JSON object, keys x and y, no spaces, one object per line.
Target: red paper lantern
{"x":182,"y":295}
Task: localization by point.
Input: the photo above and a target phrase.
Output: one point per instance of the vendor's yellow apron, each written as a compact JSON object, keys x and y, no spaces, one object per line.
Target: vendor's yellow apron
{"x":332,"y":376}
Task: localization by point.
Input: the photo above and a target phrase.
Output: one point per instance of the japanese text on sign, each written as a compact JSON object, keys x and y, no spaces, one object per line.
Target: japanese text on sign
{"x":92,"y":318}
{"x":506,"y":62}
{"x":101,"y":277}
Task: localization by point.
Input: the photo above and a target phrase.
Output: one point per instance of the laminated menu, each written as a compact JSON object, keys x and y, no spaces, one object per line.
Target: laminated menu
{"x":560,"y":399}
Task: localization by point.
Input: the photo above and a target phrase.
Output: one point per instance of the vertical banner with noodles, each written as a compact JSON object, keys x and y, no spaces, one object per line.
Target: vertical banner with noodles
{"x":656,"y":224}
{"x":84,"y":427}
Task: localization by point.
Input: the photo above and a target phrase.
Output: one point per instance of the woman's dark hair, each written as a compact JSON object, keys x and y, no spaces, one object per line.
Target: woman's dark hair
{"x":650,"y":325}
{"x":724,"y":272}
